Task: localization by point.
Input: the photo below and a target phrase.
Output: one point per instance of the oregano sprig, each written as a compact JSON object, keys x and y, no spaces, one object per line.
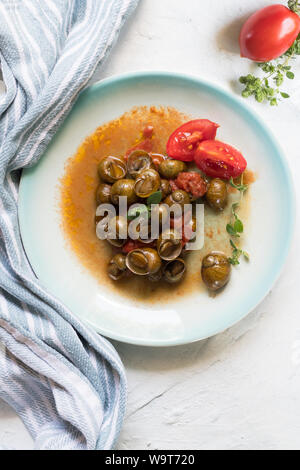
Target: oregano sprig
{"x":236,"y":254}
{"x":235,"y":227}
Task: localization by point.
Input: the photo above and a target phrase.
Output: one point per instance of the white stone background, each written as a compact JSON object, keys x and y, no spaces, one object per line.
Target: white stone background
{"x":238,"y":390}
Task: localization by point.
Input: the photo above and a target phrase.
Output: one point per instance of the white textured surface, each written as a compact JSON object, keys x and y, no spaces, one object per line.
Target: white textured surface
{"x":241,"y":389}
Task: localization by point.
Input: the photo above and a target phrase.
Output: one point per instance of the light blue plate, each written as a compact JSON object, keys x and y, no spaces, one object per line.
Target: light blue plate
{"x":197,"y":316}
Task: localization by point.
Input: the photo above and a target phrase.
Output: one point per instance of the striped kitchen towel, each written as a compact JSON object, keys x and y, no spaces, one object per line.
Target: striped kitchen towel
{"x":65,"y":382}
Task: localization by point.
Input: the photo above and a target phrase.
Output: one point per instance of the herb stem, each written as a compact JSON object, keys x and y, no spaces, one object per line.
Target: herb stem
{"x":236,"y":227}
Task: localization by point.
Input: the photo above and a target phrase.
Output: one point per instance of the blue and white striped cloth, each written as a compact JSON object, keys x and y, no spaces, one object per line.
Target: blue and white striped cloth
{"x":66,"y":383}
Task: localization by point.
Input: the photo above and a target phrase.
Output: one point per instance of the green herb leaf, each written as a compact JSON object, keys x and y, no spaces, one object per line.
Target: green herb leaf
{"x":236,"y":254}
{"x":231,"y":230}
{"x":154,"y":198}
{"x":284,"y":95}
{"x":290,"y":75}
{"x":234,"y":260}
{"x":238,"y":226}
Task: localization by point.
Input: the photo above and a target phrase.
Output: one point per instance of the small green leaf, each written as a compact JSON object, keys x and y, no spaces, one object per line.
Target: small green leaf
{"x":259,"y":96}
{"x":290,"y":75}
{"x":246,"y":93}
{"x":234,"y":261}
{"x":246,"y":255}
{"x":238,"y":226}
{"x":154,"y":198}
{"x":231,"y":230}
{"x":279,"y":79}
{"x":284,"y":95}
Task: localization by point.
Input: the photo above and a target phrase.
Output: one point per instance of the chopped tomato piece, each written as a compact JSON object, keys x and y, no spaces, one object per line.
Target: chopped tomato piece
{"x":148,"y":132}
{"x":219,"y":160}
{"x":191,"y":182}
{"x":183,"y":142}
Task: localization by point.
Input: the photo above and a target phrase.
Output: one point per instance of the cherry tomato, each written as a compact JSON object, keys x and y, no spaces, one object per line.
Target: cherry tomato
{"x":268,"y":33}
{"x":183,"y":142}
{"x":219,"y":160}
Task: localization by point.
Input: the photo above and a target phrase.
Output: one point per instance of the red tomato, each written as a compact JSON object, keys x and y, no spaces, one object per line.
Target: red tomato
{"x":183,"y":142}
{"x":268,"y":33}
{"x":219,"y":160}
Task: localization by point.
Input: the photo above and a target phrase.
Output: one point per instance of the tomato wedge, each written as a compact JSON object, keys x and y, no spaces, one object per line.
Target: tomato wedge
{"x":184,"y":141}
{"x":219,"y":160}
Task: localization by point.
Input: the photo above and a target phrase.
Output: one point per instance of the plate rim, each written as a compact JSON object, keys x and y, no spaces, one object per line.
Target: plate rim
{"x":267,"y":131}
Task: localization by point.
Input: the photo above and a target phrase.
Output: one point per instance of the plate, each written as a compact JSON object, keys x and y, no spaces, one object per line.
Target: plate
{"x":197,"y":316}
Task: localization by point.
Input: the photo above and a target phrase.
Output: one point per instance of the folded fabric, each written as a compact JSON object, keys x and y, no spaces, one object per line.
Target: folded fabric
{"x":66,"y":382}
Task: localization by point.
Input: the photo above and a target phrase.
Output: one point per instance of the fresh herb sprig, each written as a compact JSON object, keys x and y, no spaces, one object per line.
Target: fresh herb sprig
{"x":267,"y":88}
{"x":236,"y":226}
{"x":236,"y":254}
